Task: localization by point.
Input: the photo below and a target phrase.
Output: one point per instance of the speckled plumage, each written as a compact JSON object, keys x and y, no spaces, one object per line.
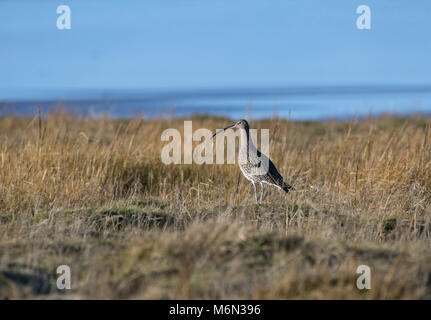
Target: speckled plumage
{"x":254,"y":165}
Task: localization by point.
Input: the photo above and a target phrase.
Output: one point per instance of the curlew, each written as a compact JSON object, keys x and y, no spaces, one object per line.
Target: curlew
{"x":254,"y":165}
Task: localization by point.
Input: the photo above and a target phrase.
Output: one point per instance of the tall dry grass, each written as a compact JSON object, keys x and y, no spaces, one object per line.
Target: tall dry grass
{"x":363,"y":193}
{"x":64,"y":162}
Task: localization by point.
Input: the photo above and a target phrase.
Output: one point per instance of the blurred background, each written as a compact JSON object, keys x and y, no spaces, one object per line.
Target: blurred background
{"x":306,"y":60}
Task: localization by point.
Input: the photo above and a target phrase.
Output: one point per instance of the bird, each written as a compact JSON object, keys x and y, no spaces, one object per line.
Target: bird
{"x":254,"y":165}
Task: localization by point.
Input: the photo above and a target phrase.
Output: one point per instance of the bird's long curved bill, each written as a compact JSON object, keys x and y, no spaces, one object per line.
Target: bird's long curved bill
{"x":222,"y":130}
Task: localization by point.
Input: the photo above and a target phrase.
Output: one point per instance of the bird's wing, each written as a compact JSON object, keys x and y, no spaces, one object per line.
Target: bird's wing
{"x":274,"y":175}
{"x":269,"y":172}
{"x":265,"y":167}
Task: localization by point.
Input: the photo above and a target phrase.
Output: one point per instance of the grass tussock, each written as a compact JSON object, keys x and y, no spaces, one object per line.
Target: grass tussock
{"x":94,"y":194}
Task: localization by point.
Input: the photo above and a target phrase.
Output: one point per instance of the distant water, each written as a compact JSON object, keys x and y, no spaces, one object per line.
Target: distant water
{"x":297,"y":103}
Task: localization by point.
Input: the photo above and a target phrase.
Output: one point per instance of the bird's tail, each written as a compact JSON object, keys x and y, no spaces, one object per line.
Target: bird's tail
{"x":286,"y":187}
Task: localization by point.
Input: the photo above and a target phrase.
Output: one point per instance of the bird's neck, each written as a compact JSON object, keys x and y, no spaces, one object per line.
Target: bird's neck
{"x":244,"y":140}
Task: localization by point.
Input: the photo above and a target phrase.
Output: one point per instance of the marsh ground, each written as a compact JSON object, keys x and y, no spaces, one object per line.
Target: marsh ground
{"x":94,"y":195}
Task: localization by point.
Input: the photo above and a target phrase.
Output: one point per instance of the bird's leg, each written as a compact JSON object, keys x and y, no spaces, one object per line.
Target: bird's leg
{"x":255,"y":190}
{"x":261,"y":192}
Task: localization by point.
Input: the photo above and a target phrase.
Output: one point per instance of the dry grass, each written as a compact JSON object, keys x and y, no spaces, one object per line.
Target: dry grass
{"x":94,"y":194}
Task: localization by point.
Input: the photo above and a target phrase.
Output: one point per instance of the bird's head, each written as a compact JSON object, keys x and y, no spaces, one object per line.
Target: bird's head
{"x":240,"y":124}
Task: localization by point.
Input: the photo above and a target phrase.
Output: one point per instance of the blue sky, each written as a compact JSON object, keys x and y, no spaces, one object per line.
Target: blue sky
{"x":179,"y":44}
